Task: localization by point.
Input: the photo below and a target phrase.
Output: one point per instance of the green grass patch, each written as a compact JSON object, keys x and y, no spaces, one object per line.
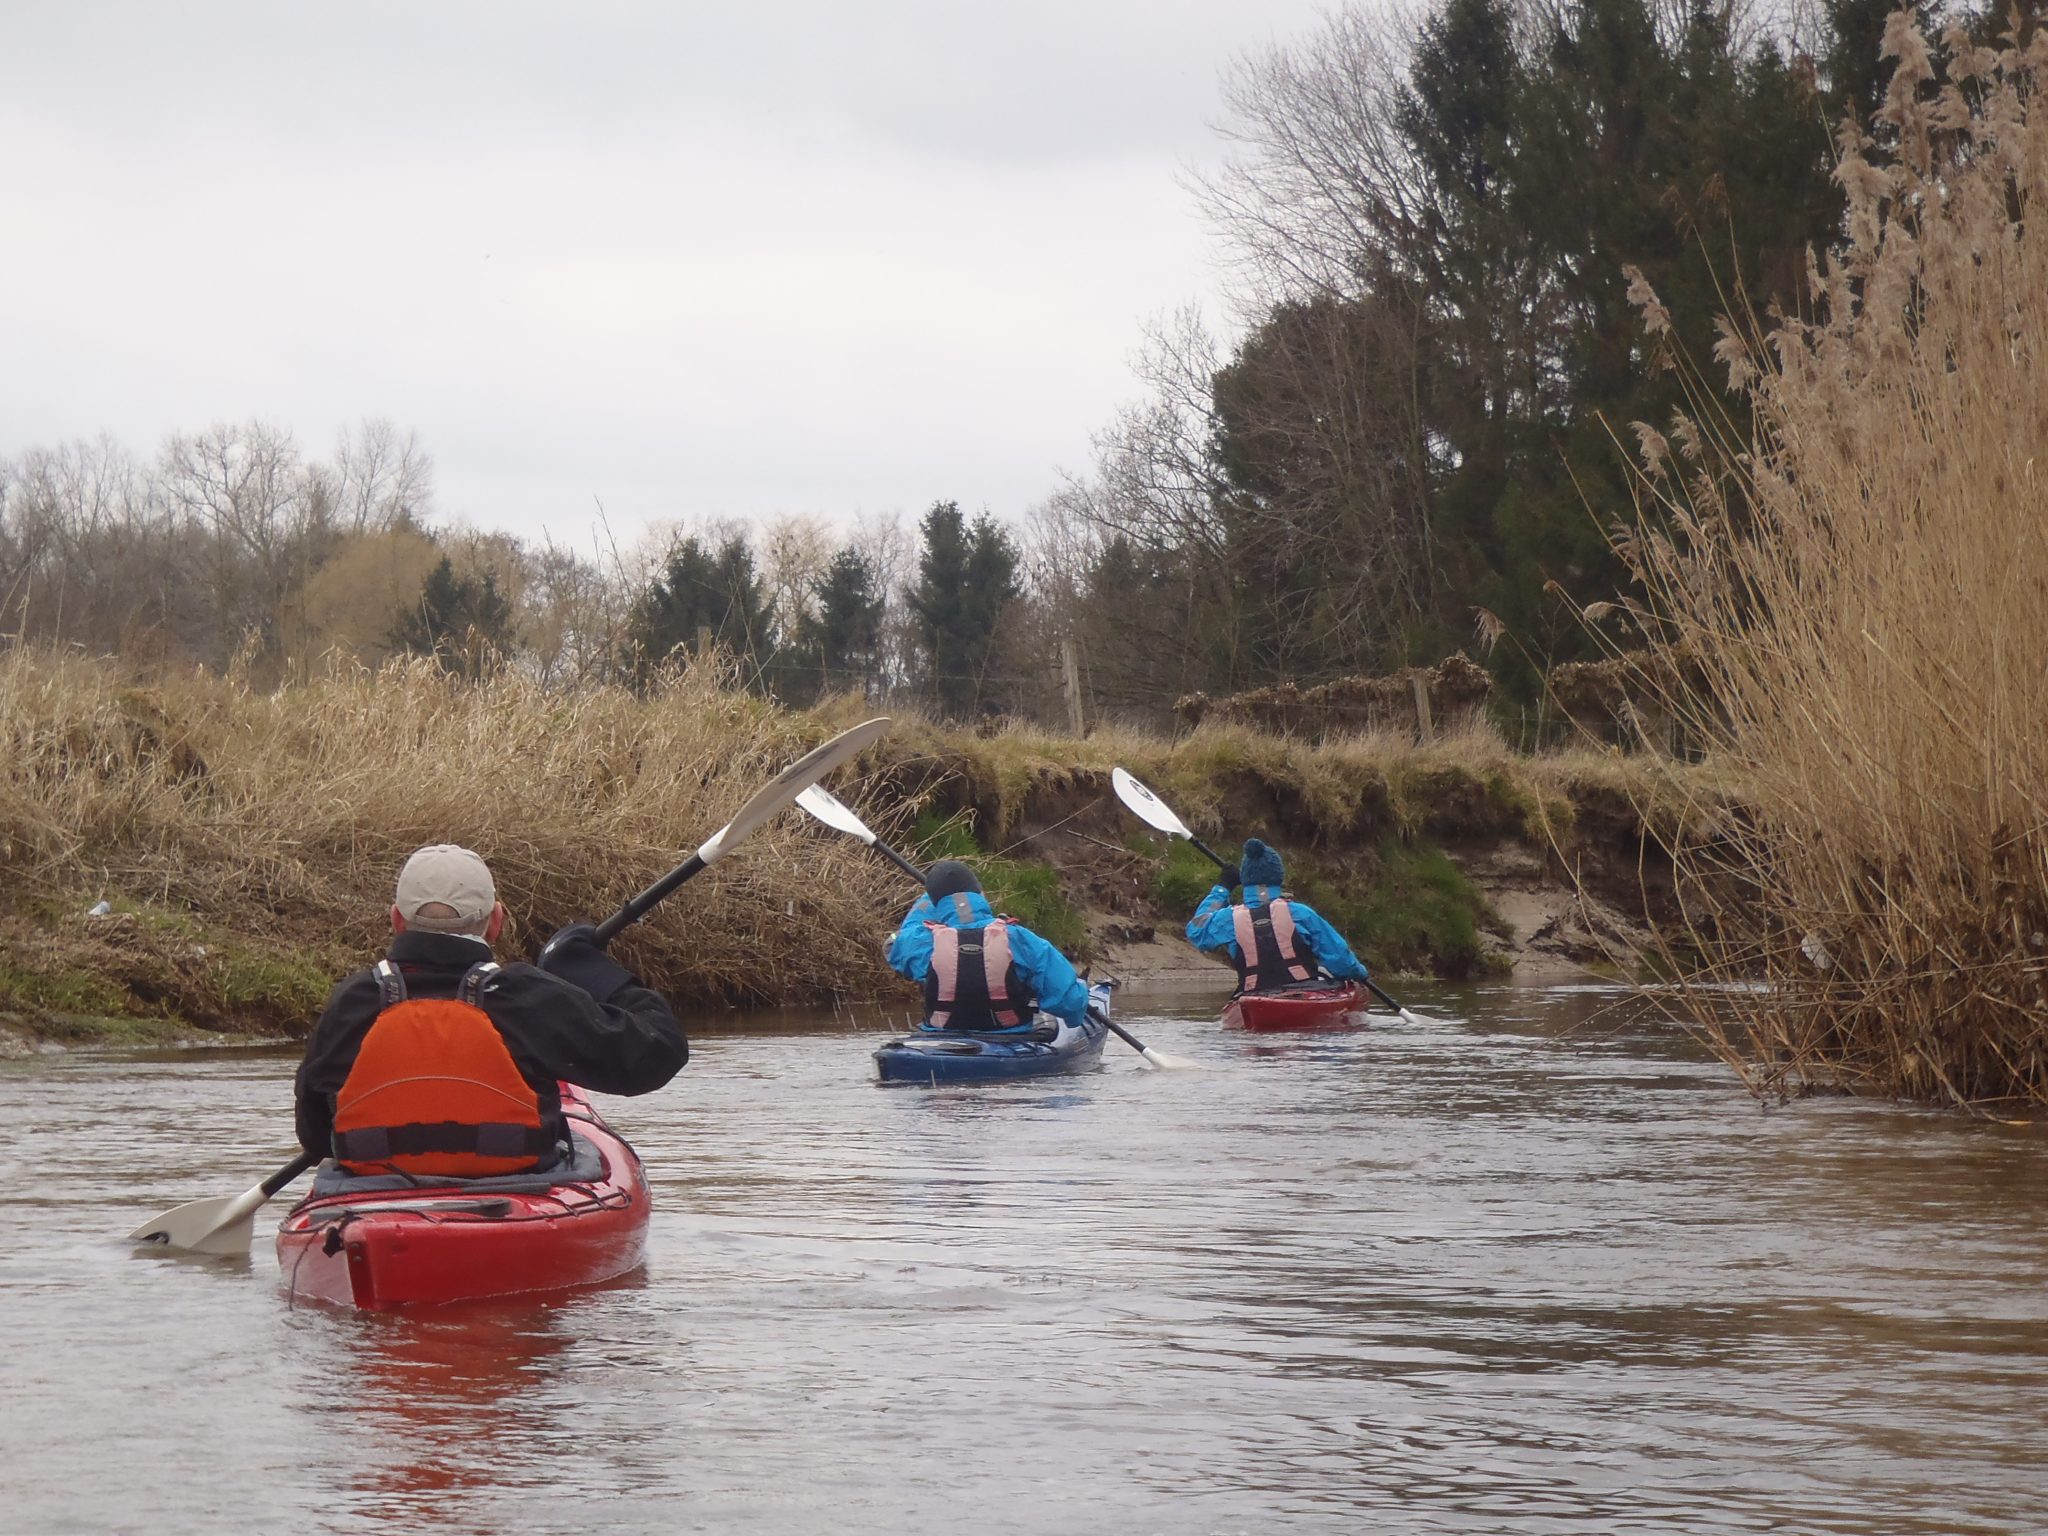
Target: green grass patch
{"x":285,"y":982}
{"x":1184,"y":880}
{"x":1418,"y":913}
{"x":62,"y":992}
{"x":1024,"y":889}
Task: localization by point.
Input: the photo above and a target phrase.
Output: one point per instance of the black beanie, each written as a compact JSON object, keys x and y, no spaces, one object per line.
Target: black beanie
{"x":949,"y":877}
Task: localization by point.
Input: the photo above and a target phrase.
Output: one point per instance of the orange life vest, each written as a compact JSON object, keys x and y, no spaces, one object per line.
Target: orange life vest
{"x":434,"y":1092}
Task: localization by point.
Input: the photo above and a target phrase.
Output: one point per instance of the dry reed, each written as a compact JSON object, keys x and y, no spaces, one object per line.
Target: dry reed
{"x":1864,"y":585}
{"x":277,"y":822}
{"x":286,"y":815}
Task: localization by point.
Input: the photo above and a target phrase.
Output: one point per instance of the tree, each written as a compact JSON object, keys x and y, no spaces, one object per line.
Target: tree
{"x":347,"y":603}
{"x":966,"y":574}
{"x":840,"y":640}
{"x":702,"y":589}
{"x":1441,"y":349}
{"x":461,"y":620}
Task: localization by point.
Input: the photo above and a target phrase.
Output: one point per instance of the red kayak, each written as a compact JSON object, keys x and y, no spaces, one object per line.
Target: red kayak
{"x":1338,"y":1006}
{"x":384,"y":1243}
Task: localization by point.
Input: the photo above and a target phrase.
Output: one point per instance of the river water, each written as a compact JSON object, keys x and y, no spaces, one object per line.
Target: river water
{"x":1532,"y":1266}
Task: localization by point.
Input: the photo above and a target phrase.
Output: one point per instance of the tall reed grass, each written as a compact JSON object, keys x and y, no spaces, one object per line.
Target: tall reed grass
{"x":1863,"y":586}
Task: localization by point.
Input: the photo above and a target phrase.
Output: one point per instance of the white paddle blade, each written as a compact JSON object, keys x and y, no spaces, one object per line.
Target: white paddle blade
{"x":827,"y":807}
{"x":224,"y":1224}
{"x":1166,"y":1063}
{"x":780,"y":792}
{"x":1145,"y":805}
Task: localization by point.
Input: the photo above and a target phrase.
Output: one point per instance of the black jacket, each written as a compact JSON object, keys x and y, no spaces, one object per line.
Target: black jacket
{"x":628,"y":1042}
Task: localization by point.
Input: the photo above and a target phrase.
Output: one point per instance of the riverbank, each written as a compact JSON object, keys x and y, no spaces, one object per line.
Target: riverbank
{"x":187,"y":858}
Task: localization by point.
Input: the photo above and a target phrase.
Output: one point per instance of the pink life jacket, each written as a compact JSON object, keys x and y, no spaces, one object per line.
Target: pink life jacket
{"x":971,"y":983}
{"x":1270,"y":955}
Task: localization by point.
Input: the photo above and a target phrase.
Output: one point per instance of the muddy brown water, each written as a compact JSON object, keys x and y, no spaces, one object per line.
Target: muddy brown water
{"x":1528,"y":1268}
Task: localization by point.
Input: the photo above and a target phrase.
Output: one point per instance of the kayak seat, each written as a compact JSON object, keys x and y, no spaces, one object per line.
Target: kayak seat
{"x":583,"y":1165}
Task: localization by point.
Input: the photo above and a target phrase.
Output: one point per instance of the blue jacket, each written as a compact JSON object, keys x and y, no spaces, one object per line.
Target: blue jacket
{"x":1052,"y":977}
{"x":1213,"y":930}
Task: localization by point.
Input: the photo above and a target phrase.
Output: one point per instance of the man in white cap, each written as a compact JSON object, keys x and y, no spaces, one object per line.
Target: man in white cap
{"x":438,"y":1062}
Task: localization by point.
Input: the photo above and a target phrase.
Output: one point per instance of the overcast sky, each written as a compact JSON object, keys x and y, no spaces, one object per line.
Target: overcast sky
{"x":693,"y":261}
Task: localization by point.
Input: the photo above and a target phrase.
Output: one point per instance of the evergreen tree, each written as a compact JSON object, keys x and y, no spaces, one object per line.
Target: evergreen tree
{"x":463,"y":621}
{"x":966,"y":575}
{"x":704,"y":589}
{"x":841,"y":643}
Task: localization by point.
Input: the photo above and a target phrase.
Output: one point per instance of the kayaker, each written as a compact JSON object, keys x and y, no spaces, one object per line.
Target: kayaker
{"x":438,"y":1061}
{"x":978,"y":970}
{"x":1274,"y":941}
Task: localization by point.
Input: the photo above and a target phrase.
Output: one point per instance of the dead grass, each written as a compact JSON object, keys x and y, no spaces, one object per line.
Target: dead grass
{"x":1865,"y":590}
{"x":248,"y":840}
{"x":284,"y":817}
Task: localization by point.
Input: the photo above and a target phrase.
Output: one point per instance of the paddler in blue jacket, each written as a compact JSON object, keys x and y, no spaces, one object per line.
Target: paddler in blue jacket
{"x":980,"y":971}
{"x":1274,"y":941}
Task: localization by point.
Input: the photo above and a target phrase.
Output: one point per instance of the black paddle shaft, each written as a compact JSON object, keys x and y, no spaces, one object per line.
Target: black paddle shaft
{"x":288,"y":1172}
{"x":898,"y":860}
{"x":1201,"y":847}
{"x":642,"y":904}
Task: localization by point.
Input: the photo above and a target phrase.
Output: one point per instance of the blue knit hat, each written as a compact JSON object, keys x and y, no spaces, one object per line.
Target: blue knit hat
{"x":1261,"y":864}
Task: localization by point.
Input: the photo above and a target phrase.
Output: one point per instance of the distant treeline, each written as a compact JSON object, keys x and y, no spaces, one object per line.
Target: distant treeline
{"x":1416,"y":446}
{"x":233,"y":550}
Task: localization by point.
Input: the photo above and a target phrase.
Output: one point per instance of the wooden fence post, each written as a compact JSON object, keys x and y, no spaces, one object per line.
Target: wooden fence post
{"x":1070,"y":672}
{"x":1425,"y":727}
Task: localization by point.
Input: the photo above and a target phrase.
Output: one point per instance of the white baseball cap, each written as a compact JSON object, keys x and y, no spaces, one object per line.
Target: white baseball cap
{"x":452,"y":876}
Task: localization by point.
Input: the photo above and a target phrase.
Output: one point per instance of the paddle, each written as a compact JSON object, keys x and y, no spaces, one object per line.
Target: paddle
{"x":831,"y":810}
{"x":1155,"y":813}
{"x":834,"y":813}
{"x":769,"y":801}
{"x":223,"y":1224}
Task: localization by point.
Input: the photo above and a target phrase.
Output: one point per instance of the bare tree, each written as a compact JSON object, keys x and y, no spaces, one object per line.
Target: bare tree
{"x":378,"y":477}
{"x":793,"y":550}
{"x":245,"y":493}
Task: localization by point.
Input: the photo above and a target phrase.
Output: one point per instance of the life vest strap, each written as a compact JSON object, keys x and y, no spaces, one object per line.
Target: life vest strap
{"x":381,"y":1143}
{"x":471,"y":988}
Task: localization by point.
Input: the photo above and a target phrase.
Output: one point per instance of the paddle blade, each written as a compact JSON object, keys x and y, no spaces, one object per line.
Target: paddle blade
{"x":223,"y":1224}
{"x":1146,"y":806}
{"x":827,"y":807}
{"x":780,"y":792}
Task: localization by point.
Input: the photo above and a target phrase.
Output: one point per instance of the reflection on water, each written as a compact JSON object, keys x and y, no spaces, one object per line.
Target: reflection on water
{"x":1532,"y":1266}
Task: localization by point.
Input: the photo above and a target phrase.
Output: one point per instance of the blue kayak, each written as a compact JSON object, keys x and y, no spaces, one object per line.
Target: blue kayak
{"x":998,"y":1056}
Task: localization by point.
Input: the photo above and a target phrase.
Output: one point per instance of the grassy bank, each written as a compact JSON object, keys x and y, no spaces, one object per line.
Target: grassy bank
{"x":246,"y":842}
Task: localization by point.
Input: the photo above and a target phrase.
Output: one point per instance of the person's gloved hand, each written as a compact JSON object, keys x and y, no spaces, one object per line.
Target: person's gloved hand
{"x":1228,"y":878}
{"x":577,"y":958}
